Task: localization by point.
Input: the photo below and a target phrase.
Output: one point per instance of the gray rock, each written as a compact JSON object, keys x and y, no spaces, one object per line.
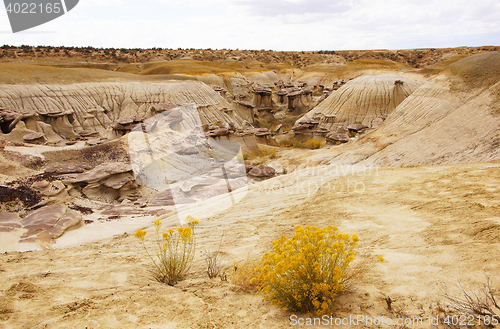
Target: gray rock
{"x":262,"y":171}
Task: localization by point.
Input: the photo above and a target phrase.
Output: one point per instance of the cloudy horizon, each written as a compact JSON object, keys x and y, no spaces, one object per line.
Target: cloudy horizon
{"x":263,"y":24}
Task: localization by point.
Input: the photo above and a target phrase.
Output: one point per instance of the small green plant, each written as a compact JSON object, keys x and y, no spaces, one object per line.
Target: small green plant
{"x":270,"y":153}
{"x":174,"y":251}
{"x":307,"y":271}
{"x":358,"y":122}
{"x":312,"y":144}
{"x":245,"y":275}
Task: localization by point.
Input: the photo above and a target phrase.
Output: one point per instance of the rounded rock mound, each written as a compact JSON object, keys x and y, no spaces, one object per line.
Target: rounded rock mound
{"x":367,"y":99}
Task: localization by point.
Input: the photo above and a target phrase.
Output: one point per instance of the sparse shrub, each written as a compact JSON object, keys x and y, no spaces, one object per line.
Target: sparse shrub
{"x":216,"y":266}
{"x":298,"y":144}
{"x":245,"y":275}
{"x":174,"y":251}
{"x":352,"y":133}
{"x":307,"y":271}
{"x":358,"y":122}
{"x":312,"y":144}
{"x":483,"y":303}
{"x":270,"y":153}
{"x":286,"y":142}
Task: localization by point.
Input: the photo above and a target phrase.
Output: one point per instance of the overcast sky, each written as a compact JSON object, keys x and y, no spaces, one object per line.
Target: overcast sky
{"x":268,"y":24}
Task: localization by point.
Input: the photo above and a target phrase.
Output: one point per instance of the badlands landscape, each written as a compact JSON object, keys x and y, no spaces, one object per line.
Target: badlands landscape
{"x":399,"y":147}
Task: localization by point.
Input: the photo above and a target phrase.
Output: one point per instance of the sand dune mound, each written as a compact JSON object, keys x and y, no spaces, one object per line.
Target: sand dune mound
{"x":87,"y":109}
{"x":453,"y":118}
{"x":367,"y":99}
{"x":481,"y":70}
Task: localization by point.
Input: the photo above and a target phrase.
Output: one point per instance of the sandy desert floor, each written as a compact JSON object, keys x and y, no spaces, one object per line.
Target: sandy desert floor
{"x":433,"y":225}
{"x":436,"y":226}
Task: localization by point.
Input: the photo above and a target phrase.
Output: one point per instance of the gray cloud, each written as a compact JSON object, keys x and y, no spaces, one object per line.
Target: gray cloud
{"x":268,"y":8}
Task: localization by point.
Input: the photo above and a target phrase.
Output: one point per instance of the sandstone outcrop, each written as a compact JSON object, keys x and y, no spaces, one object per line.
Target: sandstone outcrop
{"x":48,"y":222}
{"x":108,"y":182}
{"x":366,"y":99}
{"x":91,"y":108}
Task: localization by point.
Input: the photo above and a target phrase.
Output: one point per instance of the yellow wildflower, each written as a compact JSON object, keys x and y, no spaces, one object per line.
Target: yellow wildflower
{"x":139,"y":234}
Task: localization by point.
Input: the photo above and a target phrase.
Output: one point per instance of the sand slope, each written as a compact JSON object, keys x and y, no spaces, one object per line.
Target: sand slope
{"x":453,"y":118}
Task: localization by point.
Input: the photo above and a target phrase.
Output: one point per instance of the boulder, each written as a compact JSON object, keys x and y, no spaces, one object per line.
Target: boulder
{"x":337,"y":138}
{"x":219,"y":132}
{"x":88,"y":133}
{"x":262,"y":91}
{"x":262,"y":132}
{"x":159,"y":108}
{"x":126,"y":121}
{"x":357,"y":127}
{"x":100,"y":172}
{"x":35,"y":138}
{"x":9,"y":221}
{"x":50,"y":221}
{"x":173,"y":117}
{"x":49,"y":189}
{"x":262,"y":171}
{"x":117,"y":181}
{"x":248,"y":168}
{"x":301,"y":128}
{"x":321,"y":131}
{"x":40,"y":185}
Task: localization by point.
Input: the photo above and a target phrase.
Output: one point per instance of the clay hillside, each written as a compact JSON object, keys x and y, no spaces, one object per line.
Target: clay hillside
{"x":400,"y":147}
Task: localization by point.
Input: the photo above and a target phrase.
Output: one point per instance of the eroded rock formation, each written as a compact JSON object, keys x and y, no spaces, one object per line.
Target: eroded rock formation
{"x":367,"y":99}
{"x":100,"y":109}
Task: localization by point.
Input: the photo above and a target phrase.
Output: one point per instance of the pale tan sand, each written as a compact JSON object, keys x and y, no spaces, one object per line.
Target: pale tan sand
{"x":433,"y":225}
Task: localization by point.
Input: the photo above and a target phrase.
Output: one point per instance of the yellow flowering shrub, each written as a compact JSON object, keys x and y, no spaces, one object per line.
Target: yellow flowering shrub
{"x":312,"y":144}
{"x":174,"y":251}
{"x":306,"y":272}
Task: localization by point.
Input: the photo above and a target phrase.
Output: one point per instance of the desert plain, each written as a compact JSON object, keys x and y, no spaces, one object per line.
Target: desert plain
{"x":399,"y":147}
